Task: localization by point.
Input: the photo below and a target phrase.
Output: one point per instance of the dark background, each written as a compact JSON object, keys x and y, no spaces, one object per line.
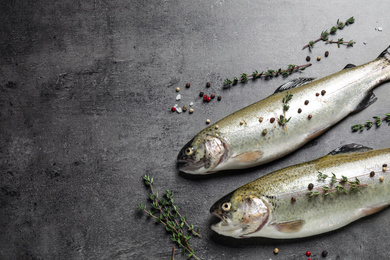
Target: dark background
{"x":86,"y":89}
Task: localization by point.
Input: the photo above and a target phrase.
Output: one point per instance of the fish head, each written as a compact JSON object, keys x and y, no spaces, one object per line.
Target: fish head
{"x":240,"y":216}
{"x":201,"y":155}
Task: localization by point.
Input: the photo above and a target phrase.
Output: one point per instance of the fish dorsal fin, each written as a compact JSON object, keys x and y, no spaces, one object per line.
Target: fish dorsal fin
{"x":350,"y":148}
{"x":383,"y":53}
{"x":348,"y":66}
{"x":293,"y":84}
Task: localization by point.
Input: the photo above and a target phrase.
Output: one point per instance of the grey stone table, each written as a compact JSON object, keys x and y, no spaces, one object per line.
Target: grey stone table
{"x":86,"y":90}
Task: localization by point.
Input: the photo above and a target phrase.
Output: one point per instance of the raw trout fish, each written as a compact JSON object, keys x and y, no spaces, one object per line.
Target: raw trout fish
{"x":259,"y":133}
{"x":309,"y":198}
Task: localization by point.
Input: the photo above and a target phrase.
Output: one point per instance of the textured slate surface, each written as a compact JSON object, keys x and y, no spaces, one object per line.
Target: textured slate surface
{"x":86,"y":88}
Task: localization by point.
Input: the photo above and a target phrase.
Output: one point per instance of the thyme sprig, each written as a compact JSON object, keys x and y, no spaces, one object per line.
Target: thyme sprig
{"x":164,"y":211}
{"x":342,"y":42}
{"x":282,"y":120}
{"x":344,"y":185}
{"x":368,"y":124}
{"x":325,"y":34}
{"x":265,"y":74}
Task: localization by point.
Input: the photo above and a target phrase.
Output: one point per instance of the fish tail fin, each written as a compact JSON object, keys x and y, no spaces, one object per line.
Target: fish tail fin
{"x":385,"y":54}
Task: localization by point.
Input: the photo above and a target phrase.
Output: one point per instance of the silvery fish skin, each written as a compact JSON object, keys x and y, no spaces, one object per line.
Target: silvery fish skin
{"x":281,"y":206}
{"x":240,"y":140}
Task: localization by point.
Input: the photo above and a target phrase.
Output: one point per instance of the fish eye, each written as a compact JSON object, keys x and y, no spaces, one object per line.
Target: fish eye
{"x":189,"y":151}
{"x":226,"y":206}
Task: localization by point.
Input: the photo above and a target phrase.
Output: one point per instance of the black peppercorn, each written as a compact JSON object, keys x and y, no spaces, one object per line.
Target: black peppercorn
{"x":208,"y":84}
{"x":293,"y":199}
{"x":219,"y":98}
{"x":326,"y":53}
{"x":212,"y":96}
{"x":311,"y":186}
{"x":372,"y":174}
{"x":324,"y":253}
{"x":323,"y":92}
{"x":201,"y":94}
{"x":299,"y":110}
{"x":272,"y":120}
{"x":306,"y":102}
{"x":308,"y":58}
{"x":188,"y":85}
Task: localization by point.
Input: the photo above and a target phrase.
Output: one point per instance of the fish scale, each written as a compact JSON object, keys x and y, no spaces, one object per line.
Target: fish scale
{"x":279,"y":216}
{"x":245,"y":142}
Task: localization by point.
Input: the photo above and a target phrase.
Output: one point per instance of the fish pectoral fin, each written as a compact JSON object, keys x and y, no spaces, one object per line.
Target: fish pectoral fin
{"x":249,"y":156}
{"x":371,"y":210}
{"x":317,"y":133}
{"x":293,"y":84}
{"x":368,"y":100}
{"x":289,"y":226}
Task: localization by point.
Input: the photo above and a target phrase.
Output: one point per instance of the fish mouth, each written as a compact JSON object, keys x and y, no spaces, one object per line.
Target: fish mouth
{"x":189,"y":166}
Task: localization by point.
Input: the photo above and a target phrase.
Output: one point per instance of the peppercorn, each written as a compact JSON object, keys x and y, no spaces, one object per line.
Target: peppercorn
{"x":306,"y":102}
{"x":372,"y":174}
{"x":177,"y":89}
{"x":191,"y":111}
{"x":384,"y":167}
{"x":188,"y":85}
{"x":208,"y":84}
{"x":311,"y":186}
{"x":265,"y":131}
{"x":309,"y":117}
{"x":216,"y":126}
{"x":381,"y":179}
{"x":326,"y":53}
{"x":293,"y":199}
{"x":276,"y":250}
{"x":219,"y":98}
{"x":205,"y":97}
{"x":241,"y":122}
{"x":318,"y":58}
{"x":212,"y":96}
{"x":308,"y":58}
{"x":208,"y":99}
{"x":272,"y":120}
{"x":323,"y":92}
{"x":173,"y":109}
{"x":260,"y":119}
{"x":201,"y":94}
{"x":308,"y":253}
{"x":184,"y":108}
{"x":208,"y":121}
{"x":317,"y":94}
{"x":299,"y":110}
{"x":324,"y":253}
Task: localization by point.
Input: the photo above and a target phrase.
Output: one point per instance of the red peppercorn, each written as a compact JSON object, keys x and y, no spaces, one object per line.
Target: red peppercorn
{"x":208,"y":99}
{"x":205,"y":97}
{"x":308,"y":253}
{"x":173,"y":109}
